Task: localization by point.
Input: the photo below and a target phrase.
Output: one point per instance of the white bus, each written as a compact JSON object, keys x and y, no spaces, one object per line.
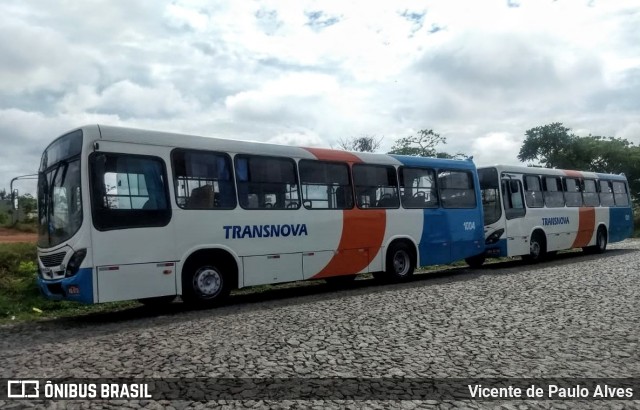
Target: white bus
{"x":130,"y":214}
{"x":532,"y":212}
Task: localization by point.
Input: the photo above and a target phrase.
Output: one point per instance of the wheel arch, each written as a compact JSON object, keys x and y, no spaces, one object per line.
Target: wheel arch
{"x":538,"y":230}
{"x":228,"y":259}
{"x":401,"y":239}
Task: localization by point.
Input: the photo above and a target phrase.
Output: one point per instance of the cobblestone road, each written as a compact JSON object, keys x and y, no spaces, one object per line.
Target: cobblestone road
{"x":575,"y":316}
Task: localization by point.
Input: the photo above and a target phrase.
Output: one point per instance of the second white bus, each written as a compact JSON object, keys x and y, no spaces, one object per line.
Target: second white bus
{"x":533,"y":212}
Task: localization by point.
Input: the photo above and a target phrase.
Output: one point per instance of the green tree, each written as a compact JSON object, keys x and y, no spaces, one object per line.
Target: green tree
{"x":367,"y":143}
{"x":554,"y":146}
{"x":551,"y":145}
{"x":423,"y":144}
{"x":27,"y":203}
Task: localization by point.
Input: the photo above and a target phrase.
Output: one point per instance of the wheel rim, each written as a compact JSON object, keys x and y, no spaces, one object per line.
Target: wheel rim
{"x":534,"y":248}
{"x":401,"y":263}
{"x":207,"y":282}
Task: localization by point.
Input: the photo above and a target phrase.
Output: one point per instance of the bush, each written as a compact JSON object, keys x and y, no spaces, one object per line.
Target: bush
{"x":18,"y":270}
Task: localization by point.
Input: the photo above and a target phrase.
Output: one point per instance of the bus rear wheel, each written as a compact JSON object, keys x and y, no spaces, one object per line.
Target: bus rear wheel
{"x":204,"y":285}
{"x":400,"y":262}
{"x":601,"y":242}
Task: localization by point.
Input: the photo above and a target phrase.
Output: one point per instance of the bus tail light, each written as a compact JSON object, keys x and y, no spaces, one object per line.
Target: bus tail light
{"x":74,"y":263}
{"x":494,"y":237}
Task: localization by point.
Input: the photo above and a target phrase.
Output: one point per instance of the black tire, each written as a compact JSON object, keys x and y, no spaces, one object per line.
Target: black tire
{"x":475,"y":262}
{"x":400,"y":262}
{"x":537,"y":248}
{"x":340,"y":281}
{"x":204,"y":285}
{"x":157,"y":301}
{"x":601,"y":242}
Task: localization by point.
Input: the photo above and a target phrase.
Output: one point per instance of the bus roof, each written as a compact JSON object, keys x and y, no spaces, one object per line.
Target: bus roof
{"x":555,"y":172}
{"x":175,"y":140}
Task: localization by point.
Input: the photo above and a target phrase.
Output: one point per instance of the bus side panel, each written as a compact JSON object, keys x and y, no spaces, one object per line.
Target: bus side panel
{"x":620,"y":224}
{"x":467,"y":235}
{"x":361,"y":237}
{"x":435,"y":243}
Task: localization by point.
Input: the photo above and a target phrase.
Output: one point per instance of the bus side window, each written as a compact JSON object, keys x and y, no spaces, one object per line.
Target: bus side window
{"x":456,"y":189}
{"x":606,"y":193}
{"x":128,"y":191}
{"x":620,"y":193}
{"x":513,"y":199}
{"x":376,"y":186}
{"x":325,"y":185}
{"x":590,"y":193}
{"x":266,"y":182}
{"x":418,"y":187}
{"x":572,"y":192}
{"x":553,"y":197}
{"x":203,"y":180}
{"x":533,"y":191}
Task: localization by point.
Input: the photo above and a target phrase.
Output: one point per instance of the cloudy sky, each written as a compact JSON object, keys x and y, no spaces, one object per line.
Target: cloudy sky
{"x":311,"y":72}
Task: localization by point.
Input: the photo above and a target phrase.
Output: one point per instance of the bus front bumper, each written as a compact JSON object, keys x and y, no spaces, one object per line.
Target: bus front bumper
{"x":496,"y":250}
{"x":77,"y":288}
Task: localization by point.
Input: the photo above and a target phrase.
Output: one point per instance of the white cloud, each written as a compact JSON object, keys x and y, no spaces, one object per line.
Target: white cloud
{"x":309,"y":72}
{"x":496,"y":148}
{"x":127,"y":99}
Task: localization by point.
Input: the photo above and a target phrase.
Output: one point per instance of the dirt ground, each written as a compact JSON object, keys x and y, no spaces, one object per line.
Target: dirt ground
{"x":11,"y":235}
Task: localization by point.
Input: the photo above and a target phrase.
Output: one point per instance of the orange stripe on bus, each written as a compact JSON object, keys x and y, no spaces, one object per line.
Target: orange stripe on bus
{"x":362,"y":229}
{"x":325,"y":154}
{"x":362,"y":236}
{"x":573,"y":174}
{"x":586,"y":226}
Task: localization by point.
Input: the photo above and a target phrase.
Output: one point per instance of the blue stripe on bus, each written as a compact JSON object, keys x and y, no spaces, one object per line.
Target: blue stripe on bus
{"x":611,"y":177}
{"x":83,"y":280}
{"x":445,"y":236}
{"x":620,"y":223}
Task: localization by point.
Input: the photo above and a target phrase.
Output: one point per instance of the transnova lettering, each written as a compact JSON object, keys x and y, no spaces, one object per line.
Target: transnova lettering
{"x":264,"y":231}
{"x":557,"y":220}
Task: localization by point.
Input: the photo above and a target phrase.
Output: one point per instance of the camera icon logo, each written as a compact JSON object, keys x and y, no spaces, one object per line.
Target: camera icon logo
{"x":23,"y":389}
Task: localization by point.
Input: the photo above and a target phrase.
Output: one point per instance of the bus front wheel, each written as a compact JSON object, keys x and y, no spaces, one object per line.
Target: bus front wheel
{"x":537,"y":248}
{"x":204,"y":285}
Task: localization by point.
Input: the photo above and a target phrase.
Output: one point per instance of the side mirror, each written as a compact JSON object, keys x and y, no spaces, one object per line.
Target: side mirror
{"x":14,"y":199}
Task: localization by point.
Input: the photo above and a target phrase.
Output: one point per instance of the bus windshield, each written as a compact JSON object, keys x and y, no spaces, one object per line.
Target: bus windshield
{"x":59,"y":192}
{"x":489,"y":187}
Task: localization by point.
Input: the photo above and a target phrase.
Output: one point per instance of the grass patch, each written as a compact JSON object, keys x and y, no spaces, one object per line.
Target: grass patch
{"x":25,"y":227}
{"x":20,"y":298}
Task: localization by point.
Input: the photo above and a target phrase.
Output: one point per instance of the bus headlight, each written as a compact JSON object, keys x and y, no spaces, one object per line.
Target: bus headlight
{"x":74,"y":263}
{"x":494,"y":237}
